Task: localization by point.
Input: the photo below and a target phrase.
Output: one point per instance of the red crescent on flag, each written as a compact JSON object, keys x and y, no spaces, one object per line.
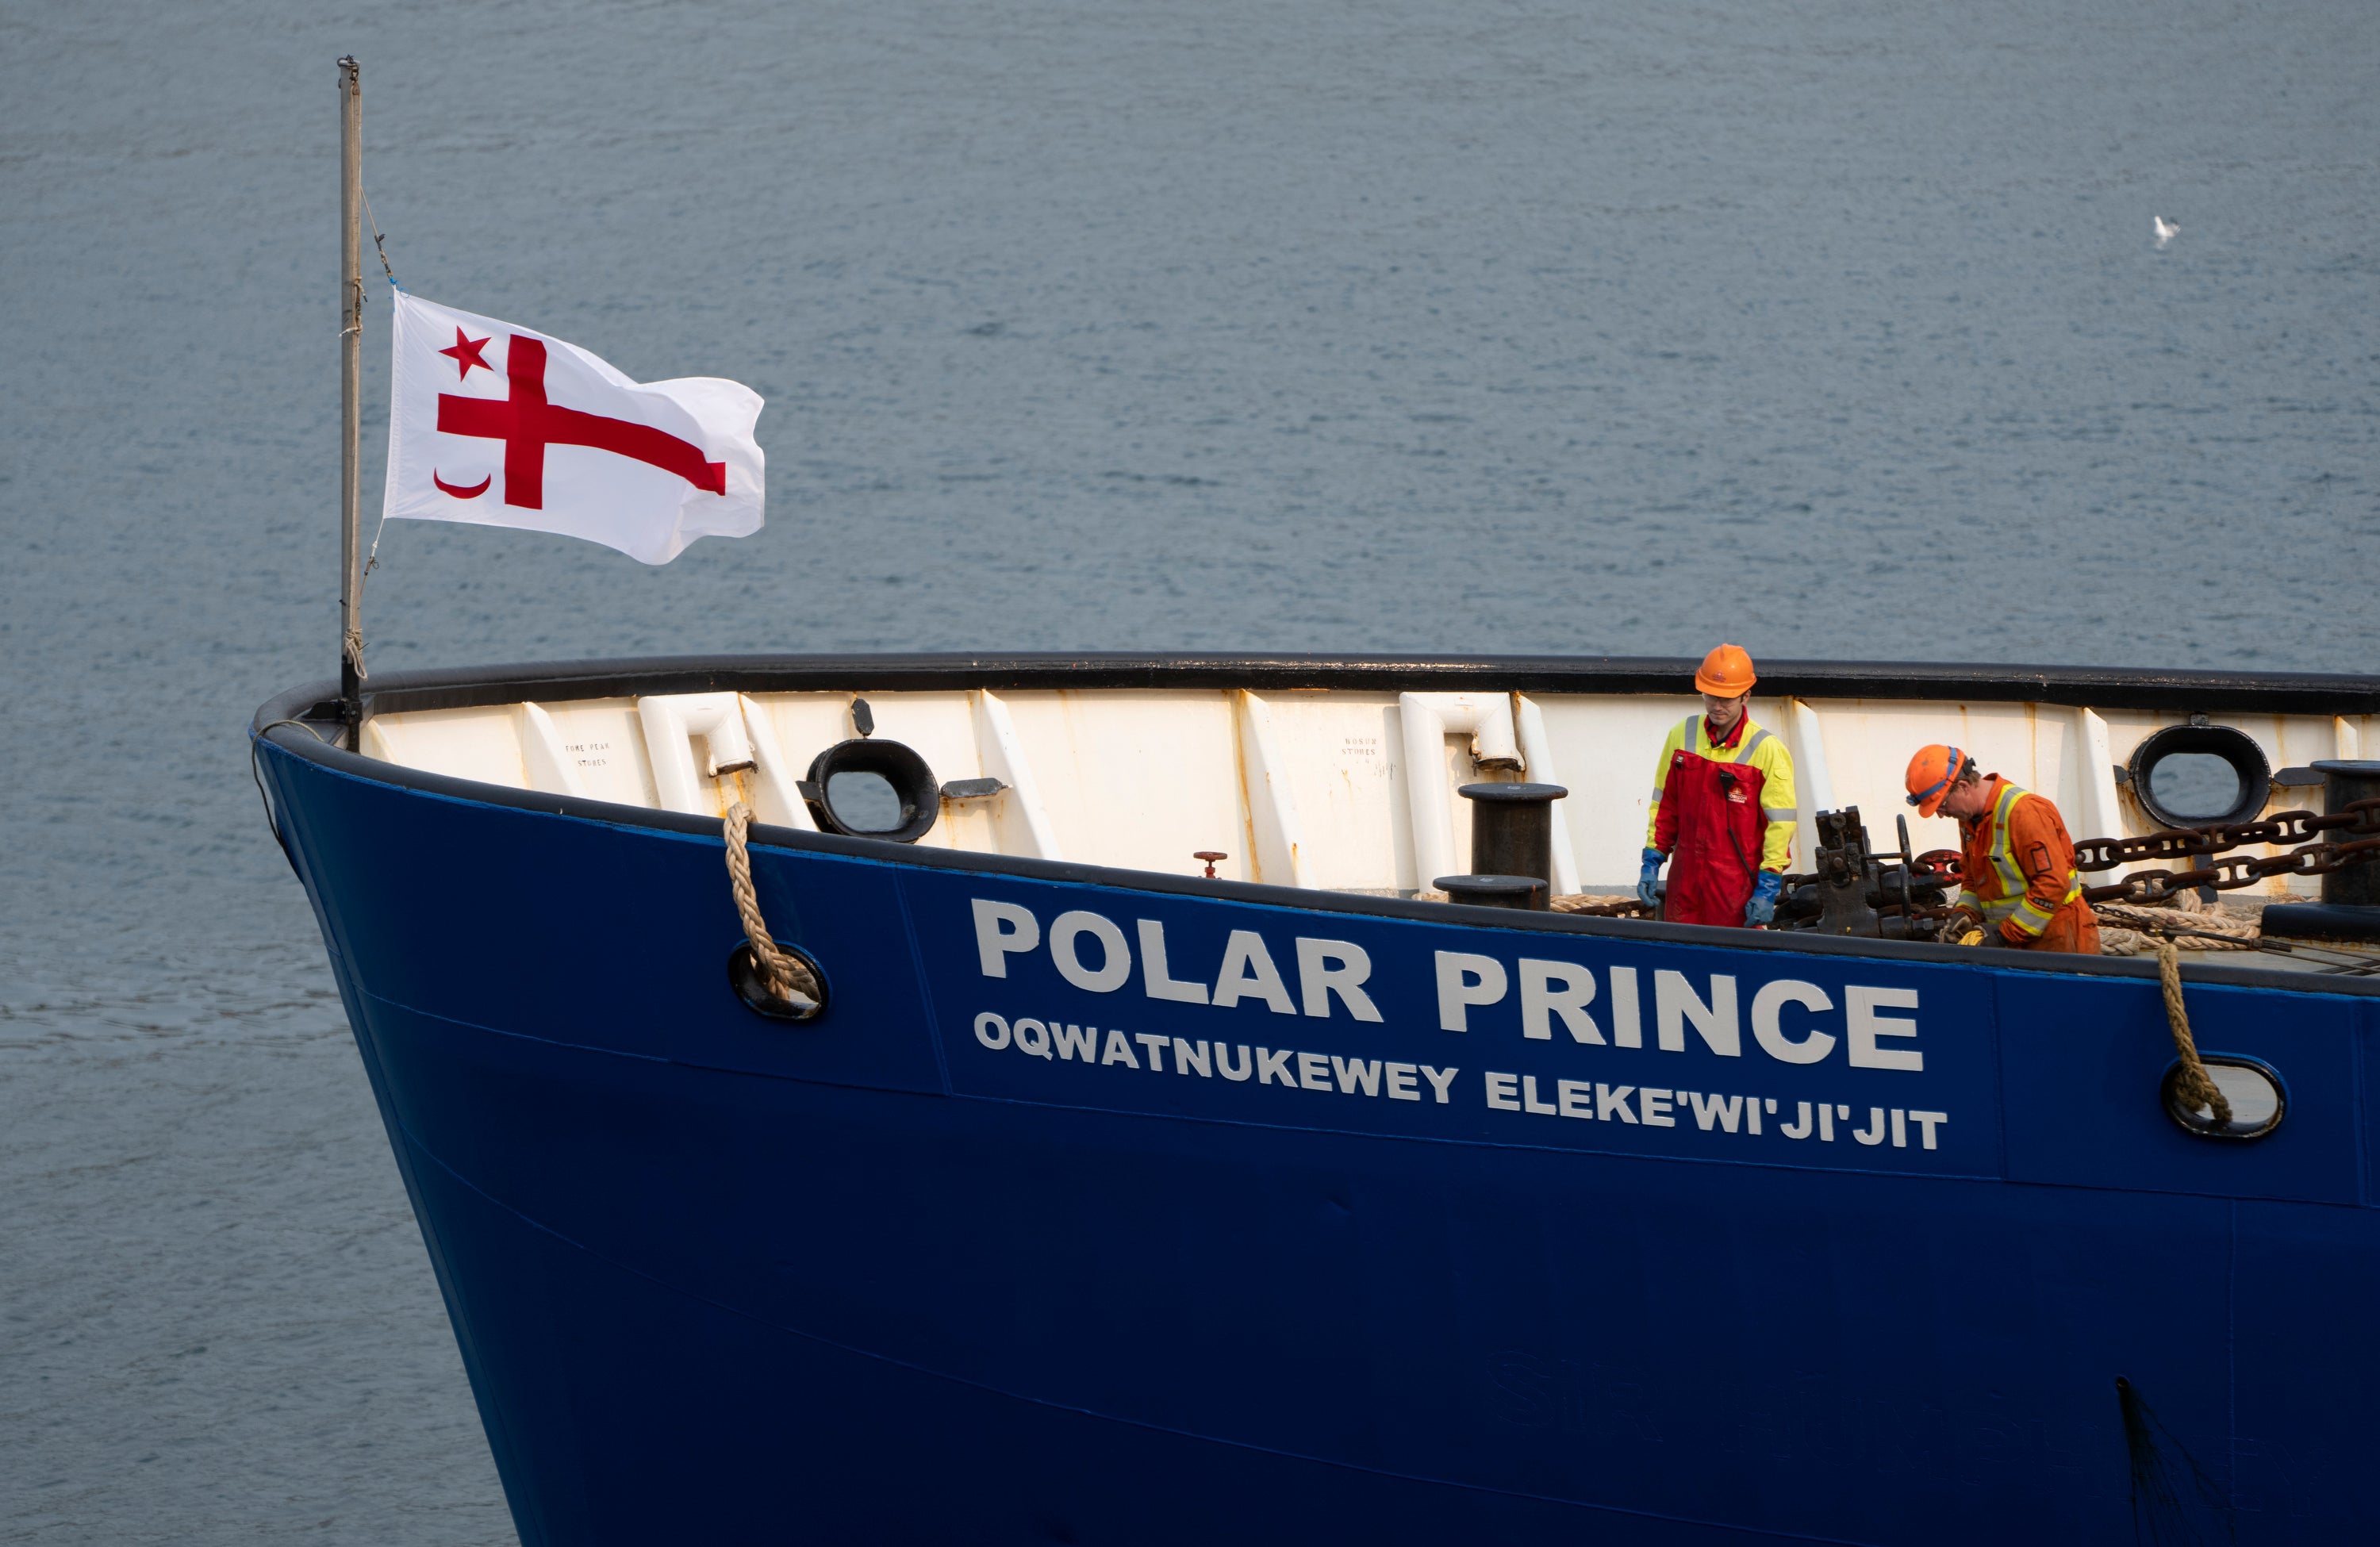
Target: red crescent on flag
{"x":470,"y":492}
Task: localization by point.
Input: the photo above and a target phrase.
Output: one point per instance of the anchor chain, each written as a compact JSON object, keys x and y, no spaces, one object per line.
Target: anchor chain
{"x":2282,"y":830}
{"x":2359,"y":823}
{"x":2238,"y":871}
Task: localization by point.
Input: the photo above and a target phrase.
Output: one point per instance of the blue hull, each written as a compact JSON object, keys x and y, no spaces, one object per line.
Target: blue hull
{"x":1000,"y":1250}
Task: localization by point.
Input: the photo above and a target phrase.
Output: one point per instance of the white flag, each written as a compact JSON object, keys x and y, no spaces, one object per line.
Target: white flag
{"x":502,"y":426}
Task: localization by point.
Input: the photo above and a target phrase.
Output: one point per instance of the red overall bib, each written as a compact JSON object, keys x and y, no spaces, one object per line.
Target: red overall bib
{"x":1711,"y":823}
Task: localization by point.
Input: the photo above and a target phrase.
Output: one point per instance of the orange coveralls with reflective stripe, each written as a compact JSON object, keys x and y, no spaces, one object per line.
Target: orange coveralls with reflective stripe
{"x":2018,"y":866}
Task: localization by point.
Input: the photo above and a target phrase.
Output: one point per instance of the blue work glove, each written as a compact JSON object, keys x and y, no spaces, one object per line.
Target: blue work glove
{"x":1648,"y":883}
{"x":1762,"y":909}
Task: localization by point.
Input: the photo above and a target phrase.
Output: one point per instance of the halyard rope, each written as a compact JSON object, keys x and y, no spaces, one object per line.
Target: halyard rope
{"x":380,"y":243}
{"x":2195,"y":1087}
{"x":789,"y":977}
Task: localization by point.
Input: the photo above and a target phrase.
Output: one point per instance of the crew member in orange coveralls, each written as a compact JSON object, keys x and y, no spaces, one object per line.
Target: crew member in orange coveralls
{"x":1723,"y":807}
{"x":2017,"y":861}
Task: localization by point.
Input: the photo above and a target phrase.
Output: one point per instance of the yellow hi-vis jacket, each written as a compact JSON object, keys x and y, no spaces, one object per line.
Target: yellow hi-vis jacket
{"x":1752,"y":747}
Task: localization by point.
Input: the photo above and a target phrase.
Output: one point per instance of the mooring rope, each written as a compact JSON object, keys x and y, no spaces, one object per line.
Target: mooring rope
{"x":2195,"y":932}
{"x":1598,"y":905}
{"x":789,"y":977}
{"x":2195,"y":1086}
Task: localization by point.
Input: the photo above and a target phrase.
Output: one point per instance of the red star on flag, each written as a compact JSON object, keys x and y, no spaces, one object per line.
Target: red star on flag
{"x":465,"y":354}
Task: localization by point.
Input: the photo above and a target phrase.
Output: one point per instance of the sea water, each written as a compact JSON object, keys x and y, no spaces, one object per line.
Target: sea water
{"x":1834,"y":329}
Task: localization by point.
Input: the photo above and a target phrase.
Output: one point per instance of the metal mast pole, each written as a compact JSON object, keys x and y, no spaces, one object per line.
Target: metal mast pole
{"x":351,"y":349}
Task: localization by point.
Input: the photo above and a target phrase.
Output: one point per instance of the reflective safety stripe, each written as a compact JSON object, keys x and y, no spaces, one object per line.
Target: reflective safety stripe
{"x":1695,"y":735}
{"x":2014,"y":903}
{"x":2031,"y":917}
{"x":1685,"y":735}
{"x":2004,"y":866}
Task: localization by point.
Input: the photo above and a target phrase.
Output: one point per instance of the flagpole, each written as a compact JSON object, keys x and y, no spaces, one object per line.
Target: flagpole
{"x":351,"y":349}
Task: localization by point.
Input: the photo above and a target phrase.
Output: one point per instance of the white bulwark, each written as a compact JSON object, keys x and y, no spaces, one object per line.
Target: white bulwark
{"x":1325,"y":789}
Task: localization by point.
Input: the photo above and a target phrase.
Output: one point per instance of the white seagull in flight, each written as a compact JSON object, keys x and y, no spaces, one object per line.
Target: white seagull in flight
{"x":2166,"y":230}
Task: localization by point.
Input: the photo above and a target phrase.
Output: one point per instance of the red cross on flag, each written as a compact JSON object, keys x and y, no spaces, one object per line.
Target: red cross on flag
{"x":501,"y":426}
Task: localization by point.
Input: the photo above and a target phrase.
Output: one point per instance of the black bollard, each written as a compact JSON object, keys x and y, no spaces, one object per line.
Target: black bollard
{"x":2349,"y":909}
{"x":2343,"y":784}
{"x":1512,"y":831}
{"x":1496,"y":891}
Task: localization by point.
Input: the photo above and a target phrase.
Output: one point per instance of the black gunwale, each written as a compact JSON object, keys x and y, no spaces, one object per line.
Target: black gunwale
{"x":2099,"y":688}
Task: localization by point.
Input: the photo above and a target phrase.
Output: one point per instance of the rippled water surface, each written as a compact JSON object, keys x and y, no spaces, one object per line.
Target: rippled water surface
{"x":1836,"y":329}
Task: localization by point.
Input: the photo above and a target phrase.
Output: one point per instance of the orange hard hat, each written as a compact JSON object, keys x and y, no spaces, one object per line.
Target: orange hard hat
{"x":1725,"y":673}
{"x":1931,"y":773}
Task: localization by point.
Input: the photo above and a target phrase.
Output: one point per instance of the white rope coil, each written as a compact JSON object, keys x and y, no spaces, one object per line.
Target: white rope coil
{"x":789,"y":977}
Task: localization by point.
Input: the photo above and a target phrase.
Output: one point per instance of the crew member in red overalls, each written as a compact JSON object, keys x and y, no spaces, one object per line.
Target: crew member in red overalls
{"x":1723,"y":807}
